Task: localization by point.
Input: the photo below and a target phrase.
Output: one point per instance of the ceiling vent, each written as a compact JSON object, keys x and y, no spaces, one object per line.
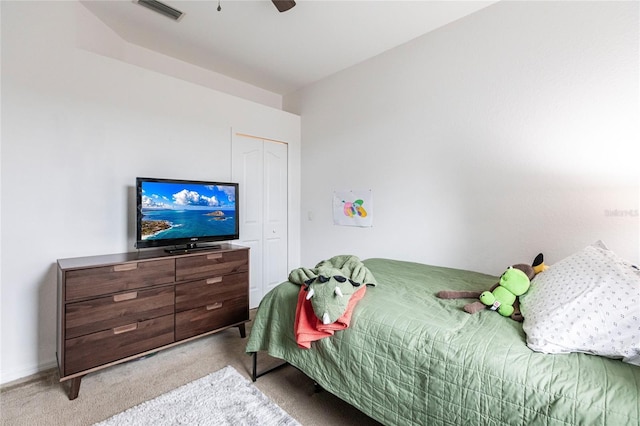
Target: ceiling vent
{"x":161,"y":8}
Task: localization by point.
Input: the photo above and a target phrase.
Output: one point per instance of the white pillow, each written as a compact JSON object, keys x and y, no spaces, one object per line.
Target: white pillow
{"x":588,"y":302}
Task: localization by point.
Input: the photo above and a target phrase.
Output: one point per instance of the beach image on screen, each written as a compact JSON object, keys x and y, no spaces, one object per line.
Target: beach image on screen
{"x":187,"y":210}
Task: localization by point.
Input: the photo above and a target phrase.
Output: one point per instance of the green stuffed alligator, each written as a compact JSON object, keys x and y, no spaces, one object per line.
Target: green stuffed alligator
{"x":331,"y":284}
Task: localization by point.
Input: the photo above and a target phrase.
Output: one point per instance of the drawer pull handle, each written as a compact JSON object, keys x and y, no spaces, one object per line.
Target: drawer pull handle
{"x":126,"y":296}
{"x":214,"y":256}
{"x":125,"y":328}
{"x":214,"y":280}
{"x":125,"y":267}
{"x":216,"y":305}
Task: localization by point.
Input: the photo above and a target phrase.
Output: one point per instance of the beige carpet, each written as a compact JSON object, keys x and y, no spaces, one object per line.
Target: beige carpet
{"x":43,"y":400}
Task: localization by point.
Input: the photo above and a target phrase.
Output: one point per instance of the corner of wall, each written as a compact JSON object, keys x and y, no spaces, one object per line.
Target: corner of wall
{"x":95,"y":36}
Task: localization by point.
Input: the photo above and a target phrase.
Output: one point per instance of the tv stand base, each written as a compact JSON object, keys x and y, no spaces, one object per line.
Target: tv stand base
{"x":190,"y":248}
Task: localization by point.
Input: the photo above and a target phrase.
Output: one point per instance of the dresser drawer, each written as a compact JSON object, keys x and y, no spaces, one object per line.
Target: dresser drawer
{"x":92,"y":350}
{"x":211,"y":317}
{"x":91,"y":282}
{"x":211,"y":290}
{"x":211,"y":265}
{"x":109,"y":312}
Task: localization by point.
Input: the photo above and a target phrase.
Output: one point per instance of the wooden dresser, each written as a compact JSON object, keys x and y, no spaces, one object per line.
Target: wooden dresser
{"x":119,"y":307}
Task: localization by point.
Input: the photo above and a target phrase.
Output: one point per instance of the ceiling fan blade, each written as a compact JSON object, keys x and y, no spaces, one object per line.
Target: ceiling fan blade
{"x":284,"y":5}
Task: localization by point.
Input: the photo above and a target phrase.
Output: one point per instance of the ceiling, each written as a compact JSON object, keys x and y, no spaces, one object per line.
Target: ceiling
{"x":280,"y":52}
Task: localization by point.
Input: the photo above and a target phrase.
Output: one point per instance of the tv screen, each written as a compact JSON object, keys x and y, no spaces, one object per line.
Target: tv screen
{"x":173,"y":212}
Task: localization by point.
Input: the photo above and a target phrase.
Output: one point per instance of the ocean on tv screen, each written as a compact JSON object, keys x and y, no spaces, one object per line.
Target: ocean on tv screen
{"x":170,"y":224}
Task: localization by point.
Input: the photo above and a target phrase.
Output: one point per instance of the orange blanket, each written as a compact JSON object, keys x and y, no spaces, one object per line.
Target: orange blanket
{"x":308,"y":328}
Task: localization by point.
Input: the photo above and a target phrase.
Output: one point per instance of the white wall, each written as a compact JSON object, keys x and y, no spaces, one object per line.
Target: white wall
{"x":93,"y":35}
{"x":504,"y":134}
{"x":77,"y":128}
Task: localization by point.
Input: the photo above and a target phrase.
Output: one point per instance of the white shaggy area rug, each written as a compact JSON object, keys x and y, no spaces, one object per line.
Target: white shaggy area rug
{"x":221,"y":398}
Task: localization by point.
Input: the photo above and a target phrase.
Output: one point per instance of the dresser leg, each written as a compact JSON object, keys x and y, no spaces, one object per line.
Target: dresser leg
{"x":74,"y":389}
{"x":243,"y":332}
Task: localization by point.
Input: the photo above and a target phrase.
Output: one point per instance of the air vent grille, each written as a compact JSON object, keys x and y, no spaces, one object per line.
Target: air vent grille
{"x":161,"y":8}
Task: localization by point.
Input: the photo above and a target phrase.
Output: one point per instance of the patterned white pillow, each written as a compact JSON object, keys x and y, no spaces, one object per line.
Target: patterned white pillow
{"x":588,"y":302}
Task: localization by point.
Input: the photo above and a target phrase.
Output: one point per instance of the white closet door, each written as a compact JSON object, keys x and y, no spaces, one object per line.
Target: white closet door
{"x":260,"y":167}
{"x":275,"y":215}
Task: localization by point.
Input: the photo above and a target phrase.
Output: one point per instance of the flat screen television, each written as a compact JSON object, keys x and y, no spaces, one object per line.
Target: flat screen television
{"x":181,"y":214}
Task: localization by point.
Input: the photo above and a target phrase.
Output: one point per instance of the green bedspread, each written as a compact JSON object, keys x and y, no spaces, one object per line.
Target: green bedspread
{"x":409,"y":358}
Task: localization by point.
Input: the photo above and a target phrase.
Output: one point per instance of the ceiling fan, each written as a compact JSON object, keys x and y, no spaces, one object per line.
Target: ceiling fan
{"x":175,"y":14}
{"x":283,"y":5}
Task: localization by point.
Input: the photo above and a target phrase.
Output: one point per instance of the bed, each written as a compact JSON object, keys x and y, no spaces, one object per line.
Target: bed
{"x":410,"y":358}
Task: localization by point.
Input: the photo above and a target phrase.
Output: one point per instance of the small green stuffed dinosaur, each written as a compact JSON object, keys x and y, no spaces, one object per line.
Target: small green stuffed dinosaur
{"x":513,"y":283}
{"x":530,"y":271}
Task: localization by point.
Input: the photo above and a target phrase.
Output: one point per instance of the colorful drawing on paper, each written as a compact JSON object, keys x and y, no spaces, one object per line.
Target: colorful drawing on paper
{"x":352,"y":208}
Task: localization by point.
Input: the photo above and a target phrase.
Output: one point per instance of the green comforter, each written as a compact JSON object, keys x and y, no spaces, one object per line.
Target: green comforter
{"x":409,"y":358}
